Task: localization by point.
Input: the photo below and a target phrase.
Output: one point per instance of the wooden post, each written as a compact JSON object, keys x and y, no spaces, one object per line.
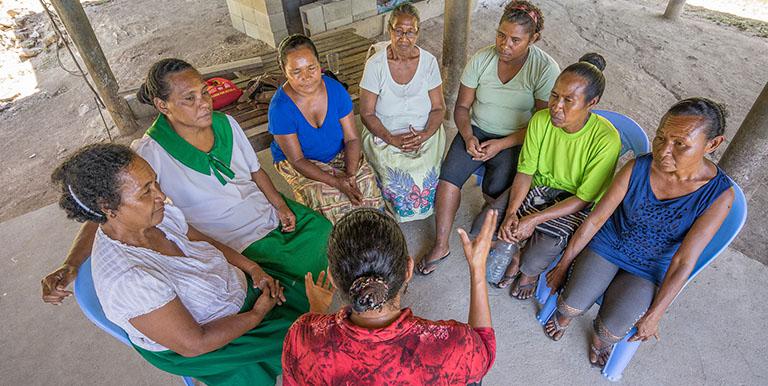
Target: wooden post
{"x":457,"y":21}
{"x":79,"y":28}
{"x":747,"y":153}
{"x":674,"y":9}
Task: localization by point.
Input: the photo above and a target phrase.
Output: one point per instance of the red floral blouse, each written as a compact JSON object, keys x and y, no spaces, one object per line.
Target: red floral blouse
{"x":330,"y":350}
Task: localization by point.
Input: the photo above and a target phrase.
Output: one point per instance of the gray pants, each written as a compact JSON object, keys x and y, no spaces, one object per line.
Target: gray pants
{"x":626,"y":297}
{"x":540,"y":250}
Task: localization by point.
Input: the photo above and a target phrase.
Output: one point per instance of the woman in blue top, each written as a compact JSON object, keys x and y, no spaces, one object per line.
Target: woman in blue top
{"x":317,"y":147}
{"x":647,"y":232}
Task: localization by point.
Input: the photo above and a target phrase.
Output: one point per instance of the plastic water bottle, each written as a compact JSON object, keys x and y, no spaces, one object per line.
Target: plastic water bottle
{"x":498,"y":260}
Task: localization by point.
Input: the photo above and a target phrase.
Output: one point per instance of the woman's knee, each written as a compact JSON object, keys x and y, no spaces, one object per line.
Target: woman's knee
{"x":626,"y":300}
{"x":540,"y":252}
{"x":496,"y":182}
{"x":588,"y":278}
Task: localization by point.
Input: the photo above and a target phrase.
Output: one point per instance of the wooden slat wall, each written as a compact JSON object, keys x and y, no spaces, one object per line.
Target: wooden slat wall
{"x":352,"y":49}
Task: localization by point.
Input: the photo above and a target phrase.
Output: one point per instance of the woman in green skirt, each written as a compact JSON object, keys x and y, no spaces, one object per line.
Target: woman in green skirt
{"x":207,"y":167}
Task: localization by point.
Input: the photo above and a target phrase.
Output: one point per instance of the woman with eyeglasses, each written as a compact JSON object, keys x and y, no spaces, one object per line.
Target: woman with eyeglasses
{"x":317,"y":146}
{"x":501,"y":87}
{"x":402,"y":108}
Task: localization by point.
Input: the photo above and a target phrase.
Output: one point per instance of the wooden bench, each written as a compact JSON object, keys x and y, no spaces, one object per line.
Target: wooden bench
{"x":352,"y":50}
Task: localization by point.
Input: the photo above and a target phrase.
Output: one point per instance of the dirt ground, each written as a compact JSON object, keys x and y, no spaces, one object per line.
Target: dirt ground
{"x":651,"y":64}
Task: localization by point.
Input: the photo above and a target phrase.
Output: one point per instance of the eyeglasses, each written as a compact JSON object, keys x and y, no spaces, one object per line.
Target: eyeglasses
{"x":410,"y":34}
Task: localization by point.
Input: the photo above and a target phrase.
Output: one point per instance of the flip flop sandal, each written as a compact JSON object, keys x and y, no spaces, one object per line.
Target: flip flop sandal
{"x":558,"y":328}
{"x":599,"y":353}
{"x":423,"y":265}
{"x":507,"y":280}
{"x":523,"y":288}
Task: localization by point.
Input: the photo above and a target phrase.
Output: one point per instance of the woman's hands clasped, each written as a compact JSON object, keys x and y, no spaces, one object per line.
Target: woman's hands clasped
{"x":268,"y":285}
{"x":348,"y":185}
{"x":408,"y":142}
{"x":287,"y":218}
{"x":515,"y":230}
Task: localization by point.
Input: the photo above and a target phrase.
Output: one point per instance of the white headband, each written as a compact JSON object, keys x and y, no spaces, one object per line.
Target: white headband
{"x":80,"y":203}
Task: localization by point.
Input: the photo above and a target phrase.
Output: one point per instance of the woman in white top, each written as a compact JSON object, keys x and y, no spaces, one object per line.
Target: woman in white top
{"x":402,"y":108}
{"x":206,"y":165}
{"x":152,"y":271}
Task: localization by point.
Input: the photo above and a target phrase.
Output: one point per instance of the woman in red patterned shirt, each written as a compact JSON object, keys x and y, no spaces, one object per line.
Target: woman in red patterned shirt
{"x":372,"y":341}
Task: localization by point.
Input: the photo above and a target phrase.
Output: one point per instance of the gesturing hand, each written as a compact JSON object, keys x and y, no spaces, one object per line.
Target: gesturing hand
{"x":55,"y":284}
{"x":476,"y":251}
{"x":320,"y":293}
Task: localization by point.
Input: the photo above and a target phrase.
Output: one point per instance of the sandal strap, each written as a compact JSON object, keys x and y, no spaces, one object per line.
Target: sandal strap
{"x":423,"y":264}
{"x":557,"y":325}
{"x":600,"y":351}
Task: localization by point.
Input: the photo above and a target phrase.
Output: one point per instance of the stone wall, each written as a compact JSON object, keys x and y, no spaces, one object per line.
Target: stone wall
{"x":272,"y":20}
{"x":362,"y":15}
{"x":259,"y":19}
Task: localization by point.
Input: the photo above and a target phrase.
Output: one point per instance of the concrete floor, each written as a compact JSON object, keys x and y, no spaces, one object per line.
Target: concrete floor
{"x":714,"y":334}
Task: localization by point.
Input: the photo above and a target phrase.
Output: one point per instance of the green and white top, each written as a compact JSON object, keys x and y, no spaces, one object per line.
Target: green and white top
{"x":504,"y":108}
{"x":214,"y":190}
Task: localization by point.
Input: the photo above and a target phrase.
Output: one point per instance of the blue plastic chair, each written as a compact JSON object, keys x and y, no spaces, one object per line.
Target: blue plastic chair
{"x":624,"y":350}
{"x":85,"y":295}
{"x":632,"y":137}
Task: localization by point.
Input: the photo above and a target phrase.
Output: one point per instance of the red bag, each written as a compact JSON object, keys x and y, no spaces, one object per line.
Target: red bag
{"x":223,"y":92}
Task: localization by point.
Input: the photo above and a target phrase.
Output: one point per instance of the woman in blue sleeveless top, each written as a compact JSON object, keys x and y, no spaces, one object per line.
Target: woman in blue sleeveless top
{"x":643,"y":239}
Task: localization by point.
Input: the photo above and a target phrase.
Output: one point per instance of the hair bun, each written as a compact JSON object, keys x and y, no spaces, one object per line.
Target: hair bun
{"x":368,"y":293}
{"x":594,"y":59}
{"x":142,"y":95}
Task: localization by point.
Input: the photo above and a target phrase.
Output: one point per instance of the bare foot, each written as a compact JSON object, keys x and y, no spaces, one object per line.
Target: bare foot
{"x":524,"y":287}
{"x":599,"y":352}
{"x":556,"y":325}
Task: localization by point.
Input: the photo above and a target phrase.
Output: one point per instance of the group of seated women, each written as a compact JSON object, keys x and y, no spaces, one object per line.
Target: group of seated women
{"x":187,"y":230}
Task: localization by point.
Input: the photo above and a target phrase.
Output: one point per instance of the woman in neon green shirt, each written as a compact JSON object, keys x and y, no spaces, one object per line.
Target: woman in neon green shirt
{"x":567,"y":160}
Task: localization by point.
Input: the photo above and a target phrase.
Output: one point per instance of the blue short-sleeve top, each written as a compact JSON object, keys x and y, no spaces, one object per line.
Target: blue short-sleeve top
{"x":318,"y":144}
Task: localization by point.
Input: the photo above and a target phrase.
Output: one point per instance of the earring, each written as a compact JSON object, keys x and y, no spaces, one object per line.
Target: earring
{"x":405,"y":289}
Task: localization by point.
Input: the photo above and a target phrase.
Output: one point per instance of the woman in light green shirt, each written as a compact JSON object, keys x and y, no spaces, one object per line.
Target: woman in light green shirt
{"x":566,"y":163}
{"x":501,"y":87}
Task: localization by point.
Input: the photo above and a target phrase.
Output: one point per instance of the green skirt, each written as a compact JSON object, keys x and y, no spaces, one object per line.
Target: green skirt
{"x":254,"y":358}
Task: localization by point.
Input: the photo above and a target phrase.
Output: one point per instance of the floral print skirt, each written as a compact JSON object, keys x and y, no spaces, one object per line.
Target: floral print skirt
{"x":408,"y":181}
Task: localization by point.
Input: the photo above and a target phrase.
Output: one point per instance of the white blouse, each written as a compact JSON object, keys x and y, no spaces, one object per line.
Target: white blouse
{"x":236,"y":214}
{"x":400,"y":105}
{"x":132,"y":281}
